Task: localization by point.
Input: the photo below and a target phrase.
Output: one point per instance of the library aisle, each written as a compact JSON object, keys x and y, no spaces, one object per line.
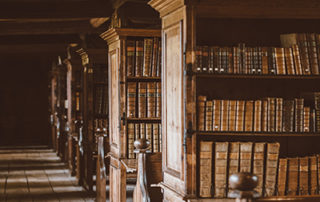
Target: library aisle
{"x":36,"y":174}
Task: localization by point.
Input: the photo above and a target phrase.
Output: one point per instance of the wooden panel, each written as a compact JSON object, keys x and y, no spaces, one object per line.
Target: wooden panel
{"x":117,"y":181}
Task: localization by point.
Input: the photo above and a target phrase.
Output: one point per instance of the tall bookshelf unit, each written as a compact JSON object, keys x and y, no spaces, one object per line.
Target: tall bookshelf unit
{"x":188,"y":24}
{"x":116,"y":39}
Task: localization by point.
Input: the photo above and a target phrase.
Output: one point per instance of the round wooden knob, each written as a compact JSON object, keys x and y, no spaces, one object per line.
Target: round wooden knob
{"x":243,"y":181}
{"x":141,"y":143}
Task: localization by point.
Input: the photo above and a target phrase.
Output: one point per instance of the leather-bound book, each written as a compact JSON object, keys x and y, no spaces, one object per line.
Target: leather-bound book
{"x":243,"y":58}
{"x":279,"y":113}
{"x":306,"y":119}
{"x":264,"y":115}
{"x":130,"y":59}
{"x":293,"y":172}
{"x":151,"y":99}
{"x":317,"y":37}
{"x":264,"y":60}
{"x":236,"y":59}
{"x":297,"y":59}
{"x":205,"y":59}
{"x":220,"y":169}
{"x":147,"y":56}
{"x":258,"y":164}
{"x":303,"y":176}
{"x":217,"y":59}
{"x":282,"y":176}
{"x":142,"y":99}
{"x":131,"y":99}
{"x":211,"y":60}
{"x":313,"y":175}
{"x":288,"y":115}
{"x":313,"y":54}
{"x":232,"y":115}
{"x":257,"y":115}
{"x":149,"y":134}
{"x":234,"y":156}
{"x":199,"y":58}
{"x":159,"y":60}
{"x":205,"y":189}
{"x":208,"y":115}
{"x":158,"y":99}
{"x":229,"y":61}
{"x":248,"y":122}
{"x":155,"y":56}
{"x":155,"y":137}
{"x":201,"y":112}
{"x":137,"y":131}
{"x":139,"y":58}
{"x":224,"y":114}
{"x":130,"y":140}
{"x":280,"y":61}
{"x":289,"y":61}
{"x":143,"y":130}
{"x":245,"y":156}
{"x":259,"y":70}
{"x":299,"y":102}
{"x":248,"y":55}
{"x":240,"y":115}
{"x":223,"y":60}
{"x":216,"y":115}
{"x":160,"y":137}
{"x":271,"y":114}
{"x":272,"y":61}
{"x":271,"y":168}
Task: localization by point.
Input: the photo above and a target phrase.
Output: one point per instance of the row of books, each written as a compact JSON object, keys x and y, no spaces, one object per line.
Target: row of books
{"x":266,"y":115}
{"x":149,"y":131}
{"x":144,"y":99}
{"x":226,"y":158}
{"x":299,"y":55}
{"x":144,"y":57}
{"x":101,"y":124}
{"x":101,"y":99}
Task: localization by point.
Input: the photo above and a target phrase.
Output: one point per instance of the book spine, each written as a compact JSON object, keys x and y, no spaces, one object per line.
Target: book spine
{"x":230,"y":61}
{"x":139,"y":58}
{"x":232,"y":115}
{"x":205,"y":166}
{"x":306,"y":119}
{"x":289,"y":61}
{"x":142,"y":101}
{"x":258,"y":165}
{"x":159,"y":60}
{"x":205,"y":59}
{"x":313,"y":175}
{"x":220,"y":172}
{"x":147,"y":56}
{"x":198,"y":58}
{"x":288,"y":115}
{"x":143,"y":130}
{"x":216,"y":115}
{"x":155,"y":136}
{"x":137,"y":131}
{"x":293,"y":172}
{"x":313,"y":55}
{"x":303,"y":176}
{"x":271,"y":114}
{"x":224,"y":114}
{"x":297,"y":59}
{"x":264,"y":60}
{"x":245,"y":156}
{"x":299,"y":114}
{"x":282,"y":176}
{"x":158,"y":99}
{"x":155,"y":56}
{"x":257,"y":115}
{"x":249,"y":116}
{"x":211,"y":60}
{"x":130,"y":140}
{"x":271,"y":168}
{"x":234,"y":156}
{"x":235,"y":59}
{"x":279,"y":112}
{"x":201,"y":112}
{"x":304,"y":53}
{"x":151,"y":99}
{"x":131,"y":99}
{"x":208,"y":116}
{"x":280,"y":61}
{"x":130,"y":57}
{"x":264,"y":116}
{"x":240,"y":115}
{"x":160,"y":138}
{"x":149,"y":135}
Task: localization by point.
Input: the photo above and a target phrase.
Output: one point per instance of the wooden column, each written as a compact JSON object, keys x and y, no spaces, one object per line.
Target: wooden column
{"x":101,"y":176}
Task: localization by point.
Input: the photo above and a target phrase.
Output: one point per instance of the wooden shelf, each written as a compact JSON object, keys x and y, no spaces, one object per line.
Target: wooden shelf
{"x":255,"y":76}
{"x":143,"y":119}
{"x":256,"y":134}
{"x":133,"y":78}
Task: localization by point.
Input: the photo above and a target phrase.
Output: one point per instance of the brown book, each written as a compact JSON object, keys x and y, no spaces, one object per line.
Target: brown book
{"x":209,"y":108}
{"x":216,"y":115}
{"x":236,"y":59}
{"x":155,"y":56}
{"x":288,"y":115}
{"x":143,"y":130}
{"x":232,"y":115}
{"x":257,"y":115}
{"x":299,"y":102}
{"x":131,"y":99}
{"x":205,"y":169}
{"x":264,"y":60}
{"x":303,"y":176}
{"x":147,"y":56}
{"x":271,"y":114}
{"x":224,"y":114}
{"x":130,"y":57}
{"x":297,"y":59}
{"x":313,"y":175}
{"x":137,"y":131}
{"x":201,"y":112}
{"x":245,"y":156}
{"x":155,"y":137}
{"x":271,"y":168}
{"x":220,"y":171}
{"x":199,"y":58}
{"x":306,"y":119}
{"x":130,"y":141}
{"x":149,"y":134}
{"x":282,"y":176}
{"x":160,"y":137}
{"x":229,"y":61}
{"x":280,"y":61}
{"x":264,"y":115}
{"x":289,"y":61}
{"x":159,"y":64}
{"x":234,"y":156}
{"x":248,"y":123}
{"x":139,"y":58}
{"x":279,"y":112}
{"x":205,"y":59}
{"x":313,"y":55}
{"x":240,"y":115}
{"x":142,"y":99}
{"x":293,"y":172}
{"x":158,"y":99}
{"x":258,"y":164}
{"x":151,"y":99}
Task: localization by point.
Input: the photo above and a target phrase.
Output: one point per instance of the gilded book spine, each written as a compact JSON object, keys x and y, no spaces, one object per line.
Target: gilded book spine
{"x":257,"y":115}
{"x":258,"y":164}
{"x":142,"y":101}
{"x":232,"y":115}
{"x":201,"y":112}
{"x":245,"y":156}
{"x":221,"y":155}
{"x":293,"y":172}
{"x":131,"y":99}
{"x":208,"y":111}
{"x":249,"y":116}
{"x":205,"y":168}
{"x":240,"y":115}
{"x":147,"y":56}
{"x":216,"y":115}
{"x":130,"y":57}
{"x":303,"y":176}
{"x":151,"y":99}
{"x":139,"y":58}
{"x":271,"y":168}
{"x":224,"y":114}
{"x":282,"y":176}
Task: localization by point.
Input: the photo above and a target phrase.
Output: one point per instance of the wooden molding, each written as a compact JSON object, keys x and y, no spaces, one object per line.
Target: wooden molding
{"x":165,"y":7}
{"x":90,"y":56}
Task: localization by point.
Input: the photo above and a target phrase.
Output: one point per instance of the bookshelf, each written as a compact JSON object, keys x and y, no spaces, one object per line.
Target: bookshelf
{"x":127,"y":120}
{"x":186,"y":25}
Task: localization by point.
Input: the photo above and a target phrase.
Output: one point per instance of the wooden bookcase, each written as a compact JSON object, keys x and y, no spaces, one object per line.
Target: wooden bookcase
{"x":116,"y":39}
{"x":188,"y":24}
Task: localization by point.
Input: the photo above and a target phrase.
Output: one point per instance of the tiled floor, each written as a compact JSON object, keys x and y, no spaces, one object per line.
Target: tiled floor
{"x":37,"y":174}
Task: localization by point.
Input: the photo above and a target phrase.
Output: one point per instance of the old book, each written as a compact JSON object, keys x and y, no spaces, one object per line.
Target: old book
{"x":143,"y":130}
{"x":313,"y":175}
{"x":199,"y":58}
{"x":216,"y":115}
{"x":147,"y":56}
{"x":208,"y":115}
{"x":158,"y":99}
{"x":299,"y":114}
{"x":205,"y":59}
{"x":217,"y":59}
{"x":306,"y":119}
{"x":240,"y":115}
{"x":264,"y":115}
{"x":303,"y":176}
{"x":139,"y":58}
{"x":280,"y":61}
{"x":271,"y":114}
{"x":282,"y":176}
{"x":223,"y":63}
{"x":201,"y":112}
{"x":131,"y":99}
{"x":259,"y":71}
{"x":297,"y":59}
{"x":271,"y":168}
{"x":258,"y":164}
{"x":155,"y":56}
{"x":312,"y":53}
{"x":224,"y":114}
{"x":279,"y":112}
{"x":289,"y":61}
{"x":293,"y":172}
{"x":245,"y":156}
{"x":236,"y":59}
{"x":264,"y":60}
{"x":130,"y":59}
{"x":149,"y":134}
{"x":130,"y":140}
{"x":257,"y":115}
{"x":272,"y":65}
{"x":142,"y":99}
{"x":234,"y":156}
{"x":137,"y":131}
{"x":243,"y":58}
{"x":288,"y":115}
{"x":248,"y":66}
{"x":229,"y":61}
{"x":248,"y":123}
{"x":159,"y":60}
{"x":220,"y":171}
{"x":205,"y":169}
{"x":211,"y":60}
{"x":160,"y":137}
{"x":151,"y":99}
{"x":155,"y":137}
{"x":232,"y":115}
